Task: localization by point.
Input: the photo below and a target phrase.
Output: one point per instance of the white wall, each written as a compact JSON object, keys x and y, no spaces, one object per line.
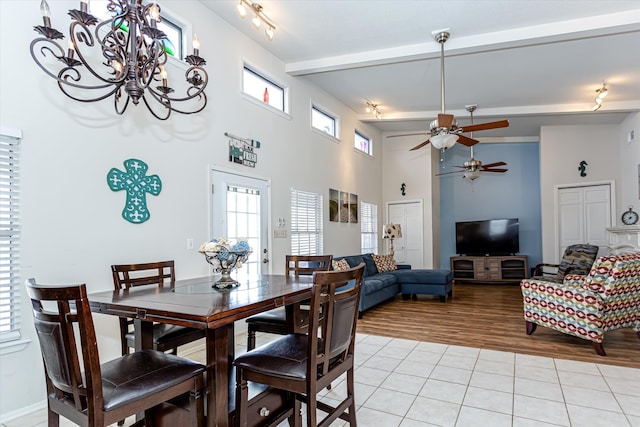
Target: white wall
{"x":72,"y":228}
{"x":413,"y":168}
{"x":562,"y":148}
{"x":629,"y":188}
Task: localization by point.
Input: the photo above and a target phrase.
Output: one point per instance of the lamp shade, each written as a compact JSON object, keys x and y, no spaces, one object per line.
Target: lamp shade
{"x":392,"y":231}
{"x":443,"y":140}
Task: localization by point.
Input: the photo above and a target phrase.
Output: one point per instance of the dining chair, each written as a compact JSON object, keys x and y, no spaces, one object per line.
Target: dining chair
{"x":89,"y":393}
{"x":166,"y":337}
{"x":276,"y":321}
{"x":304,"y":364}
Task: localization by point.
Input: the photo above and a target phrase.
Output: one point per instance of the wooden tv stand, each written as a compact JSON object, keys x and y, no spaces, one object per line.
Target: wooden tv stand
{"x":489,"y":269}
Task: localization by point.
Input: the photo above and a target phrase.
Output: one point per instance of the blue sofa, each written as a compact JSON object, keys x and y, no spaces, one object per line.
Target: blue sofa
{"x":378,"y":287}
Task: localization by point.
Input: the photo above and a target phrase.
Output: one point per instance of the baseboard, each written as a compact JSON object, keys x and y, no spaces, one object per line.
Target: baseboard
{"x":9,"y":416}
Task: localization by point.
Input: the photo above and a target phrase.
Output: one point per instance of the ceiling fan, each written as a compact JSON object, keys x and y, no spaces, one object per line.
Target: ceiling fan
{"x":472,"y":168}
{"x":444,"y":132}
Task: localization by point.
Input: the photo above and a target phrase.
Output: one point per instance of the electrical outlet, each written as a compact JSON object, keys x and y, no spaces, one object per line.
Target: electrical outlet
{"x":189,"y":243}
{"x":280,"y":234}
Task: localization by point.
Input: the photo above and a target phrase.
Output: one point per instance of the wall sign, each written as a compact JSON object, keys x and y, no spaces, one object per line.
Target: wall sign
{"x":242,"y":150}
{"x":137,"y":184}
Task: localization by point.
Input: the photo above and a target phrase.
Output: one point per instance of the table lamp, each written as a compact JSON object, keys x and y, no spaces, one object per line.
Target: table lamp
{"x":391,"y":231}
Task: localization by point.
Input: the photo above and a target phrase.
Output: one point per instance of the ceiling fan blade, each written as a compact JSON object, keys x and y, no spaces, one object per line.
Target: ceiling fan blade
{"x":445,"y":120}
{"x":465,"y":140}
{"x":485,"y":126}
{"x":417,"y":147}
{"x":494,"y":170}
{"x":490,"y":165}
{"x":407,"y":134}
{"x":448,"y":173}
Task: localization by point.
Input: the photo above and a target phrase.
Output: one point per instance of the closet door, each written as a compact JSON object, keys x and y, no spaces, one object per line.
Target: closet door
{"x":584,"y":213}
{"x":409,"y":248}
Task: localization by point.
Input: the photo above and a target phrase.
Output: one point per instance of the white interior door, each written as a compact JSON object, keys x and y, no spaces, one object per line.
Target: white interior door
{"x":584,"y":213}
{"x":240,"y":207}
{"x":409,"y":248}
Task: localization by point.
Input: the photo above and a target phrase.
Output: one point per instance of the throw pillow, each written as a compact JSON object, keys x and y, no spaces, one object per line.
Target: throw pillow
{"x":340,"y":265}
{"x":385,"y":263}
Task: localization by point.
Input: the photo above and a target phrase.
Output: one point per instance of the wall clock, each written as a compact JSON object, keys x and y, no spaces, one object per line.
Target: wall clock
{"x":630,"y":217}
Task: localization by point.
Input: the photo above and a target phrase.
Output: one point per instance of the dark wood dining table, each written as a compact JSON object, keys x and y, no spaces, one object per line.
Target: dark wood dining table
{"x":195,"y":303}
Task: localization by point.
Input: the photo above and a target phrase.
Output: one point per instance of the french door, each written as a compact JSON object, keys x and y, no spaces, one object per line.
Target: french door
{"x":584,"y":212}
{"x":240,"y":210}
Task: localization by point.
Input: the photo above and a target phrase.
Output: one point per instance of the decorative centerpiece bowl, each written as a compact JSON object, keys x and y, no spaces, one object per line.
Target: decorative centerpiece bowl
{"x":224,"y":258}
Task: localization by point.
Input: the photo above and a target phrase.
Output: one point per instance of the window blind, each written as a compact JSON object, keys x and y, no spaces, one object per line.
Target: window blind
{"x":368,"y":228}
{"x":306,"y":223}
{"x":9,"y":239}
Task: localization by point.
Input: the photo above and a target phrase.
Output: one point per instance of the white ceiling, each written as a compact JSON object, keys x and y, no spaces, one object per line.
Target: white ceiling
{"x":534,"y":62}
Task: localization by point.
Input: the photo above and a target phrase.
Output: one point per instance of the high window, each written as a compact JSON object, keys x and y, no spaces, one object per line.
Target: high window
{"x":306,"y":223}
{"x":9,"y":238}
{"x":368,"y":228}
{"x":363,"y":143}
{"x":170,"y":25}
{"x":324,"y":121}
{"x":261,"y":88}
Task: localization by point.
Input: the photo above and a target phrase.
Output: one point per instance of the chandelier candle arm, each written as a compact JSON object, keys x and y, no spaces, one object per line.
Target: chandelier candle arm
{"x":124,"y":56}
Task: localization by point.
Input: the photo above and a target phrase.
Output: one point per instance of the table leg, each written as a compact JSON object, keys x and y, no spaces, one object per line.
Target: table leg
{"x":143,"y":334}
{"x":218,"y":351}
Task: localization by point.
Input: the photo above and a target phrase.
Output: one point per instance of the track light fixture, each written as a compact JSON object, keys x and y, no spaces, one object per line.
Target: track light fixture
{"x":601,"y":94}
{"x":373,"y":109}
{"x":259,"y":16}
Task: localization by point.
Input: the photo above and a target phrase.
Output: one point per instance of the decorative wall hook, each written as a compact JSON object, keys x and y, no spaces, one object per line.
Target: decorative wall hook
{"x":402,"y":188}
{"x":583,"y":168}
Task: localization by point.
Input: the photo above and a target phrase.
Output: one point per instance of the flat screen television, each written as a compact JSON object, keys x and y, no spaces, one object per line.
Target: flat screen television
{"x":488,"y":237}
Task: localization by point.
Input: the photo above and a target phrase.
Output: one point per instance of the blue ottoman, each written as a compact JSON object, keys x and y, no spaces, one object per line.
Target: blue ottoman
{"x":422,"y":281}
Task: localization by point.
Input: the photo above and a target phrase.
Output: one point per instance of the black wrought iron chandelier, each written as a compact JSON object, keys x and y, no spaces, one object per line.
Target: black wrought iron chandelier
{"x":123,"y":56}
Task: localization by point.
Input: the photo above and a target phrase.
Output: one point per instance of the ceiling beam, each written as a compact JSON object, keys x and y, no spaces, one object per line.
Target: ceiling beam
{"x":594,"y":26}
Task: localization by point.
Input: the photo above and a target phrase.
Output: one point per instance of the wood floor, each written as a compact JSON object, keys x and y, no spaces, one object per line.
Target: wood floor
{"x":490,"y":317}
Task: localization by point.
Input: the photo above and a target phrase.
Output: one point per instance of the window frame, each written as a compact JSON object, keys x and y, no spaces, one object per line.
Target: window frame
{"x":328,"y":114}
{"x":361,"y":134}
{"x":270,"y":81}
{"x":98,"y":8}
{"x":10,"y":229}
{"x":368,"y":227}
{"x":309,"y":226}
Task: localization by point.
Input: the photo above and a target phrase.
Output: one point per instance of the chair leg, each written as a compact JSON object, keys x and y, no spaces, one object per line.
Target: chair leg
{"x":295,"y":420}
{"x":351,"y":393}
{"x":251,"y":338}
{"x":242,"y":399}
{"x":597,"y":346}
{"x":531,"y":327}
{"x":53,"y":418}
{"x":312,"y":407}
{"x":196,"y":403}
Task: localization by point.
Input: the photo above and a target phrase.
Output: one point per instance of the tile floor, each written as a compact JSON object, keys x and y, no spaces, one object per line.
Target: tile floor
{"x":409,"y":383}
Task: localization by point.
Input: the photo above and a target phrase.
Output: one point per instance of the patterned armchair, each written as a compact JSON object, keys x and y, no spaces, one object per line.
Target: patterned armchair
{"x":607,"y":298}
{"x":577,"y":259}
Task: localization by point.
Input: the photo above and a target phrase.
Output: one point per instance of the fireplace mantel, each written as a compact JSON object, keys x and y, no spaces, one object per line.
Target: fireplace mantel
{"x":624,"y":238}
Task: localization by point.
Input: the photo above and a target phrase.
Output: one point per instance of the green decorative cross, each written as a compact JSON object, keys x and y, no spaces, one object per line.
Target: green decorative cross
{"x":137,"y":184}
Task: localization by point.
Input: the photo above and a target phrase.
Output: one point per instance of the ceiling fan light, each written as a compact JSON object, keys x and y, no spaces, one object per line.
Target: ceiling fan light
{"x":471,"y":175}
{"x":598,"y":100}
{"x":443,"y":140}
{"x":256,"y":21}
